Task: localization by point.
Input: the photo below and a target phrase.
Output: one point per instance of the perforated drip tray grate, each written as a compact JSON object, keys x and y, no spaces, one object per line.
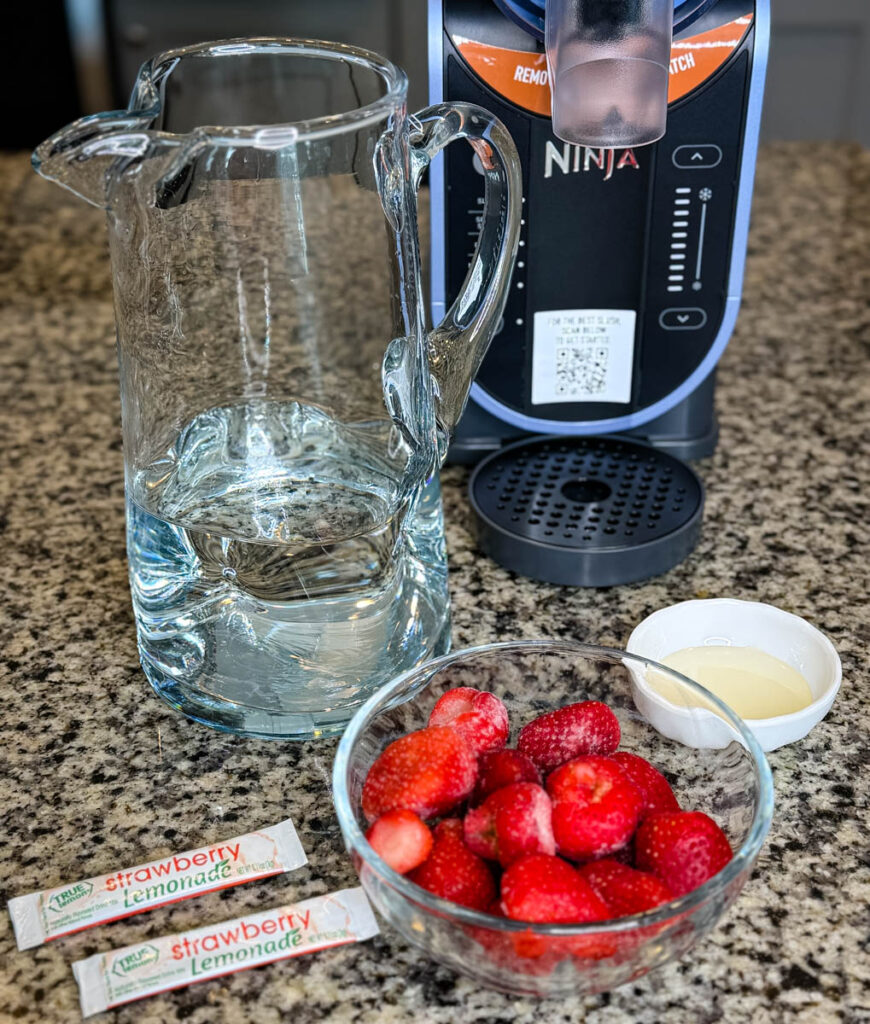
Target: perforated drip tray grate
{"x":586,"y":511}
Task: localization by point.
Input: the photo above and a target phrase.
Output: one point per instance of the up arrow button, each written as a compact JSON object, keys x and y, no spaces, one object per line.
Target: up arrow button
{"x":700,"y":157}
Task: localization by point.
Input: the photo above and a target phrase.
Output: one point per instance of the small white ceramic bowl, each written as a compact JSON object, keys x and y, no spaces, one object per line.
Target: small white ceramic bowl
{"x":739,"y":624}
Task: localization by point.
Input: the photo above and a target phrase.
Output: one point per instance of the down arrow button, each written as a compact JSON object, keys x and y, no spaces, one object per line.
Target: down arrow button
{"x":682,"y":318}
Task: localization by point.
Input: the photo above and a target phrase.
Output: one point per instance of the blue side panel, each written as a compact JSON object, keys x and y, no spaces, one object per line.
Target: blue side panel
{"x":750,"y":149}
{"x":436,"y":168}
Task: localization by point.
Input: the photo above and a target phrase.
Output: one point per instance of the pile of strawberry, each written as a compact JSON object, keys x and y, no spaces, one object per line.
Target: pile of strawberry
{"x":565,"y":828}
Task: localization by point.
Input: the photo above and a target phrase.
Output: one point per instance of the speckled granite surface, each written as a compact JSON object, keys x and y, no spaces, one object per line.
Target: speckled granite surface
{"x":96,"y":772}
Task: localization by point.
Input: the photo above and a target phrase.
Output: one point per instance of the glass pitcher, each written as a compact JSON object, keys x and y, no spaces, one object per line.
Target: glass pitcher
{"x":284,"y":408}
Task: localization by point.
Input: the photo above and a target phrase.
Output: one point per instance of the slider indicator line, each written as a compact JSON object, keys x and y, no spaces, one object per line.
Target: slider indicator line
{"x":701,"y":241}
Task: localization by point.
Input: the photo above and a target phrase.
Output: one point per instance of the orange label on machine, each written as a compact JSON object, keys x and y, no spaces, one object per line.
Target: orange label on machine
{"x":694,"y":59}
{"x":522,"y":78}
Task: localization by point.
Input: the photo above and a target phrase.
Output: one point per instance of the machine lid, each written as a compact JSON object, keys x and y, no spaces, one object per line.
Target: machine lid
{"x":529,"y":14}
{"x":586,"y":511}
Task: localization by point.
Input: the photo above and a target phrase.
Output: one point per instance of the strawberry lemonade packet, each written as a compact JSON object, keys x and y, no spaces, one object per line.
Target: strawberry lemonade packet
{"x":42,"y":916}
{"x":174,"y":961}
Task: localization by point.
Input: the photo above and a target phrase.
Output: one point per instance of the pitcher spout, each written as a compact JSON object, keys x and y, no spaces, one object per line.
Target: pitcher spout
{"x":89,"y":154}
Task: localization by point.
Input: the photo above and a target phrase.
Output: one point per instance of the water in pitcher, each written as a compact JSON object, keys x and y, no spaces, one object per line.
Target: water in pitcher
{"x":277,"y":563}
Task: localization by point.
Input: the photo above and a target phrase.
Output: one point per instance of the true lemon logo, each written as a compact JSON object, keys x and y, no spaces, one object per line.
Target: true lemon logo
{"x":61,"y":900}
{"x":140,"y":957}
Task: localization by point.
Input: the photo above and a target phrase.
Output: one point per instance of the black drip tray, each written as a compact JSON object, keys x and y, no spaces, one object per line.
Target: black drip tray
{"x":586,"y":511}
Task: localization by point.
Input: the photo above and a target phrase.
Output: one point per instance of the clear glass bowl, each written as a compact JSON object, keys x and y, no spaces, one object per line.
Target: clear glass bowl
{"x":732,"y":783}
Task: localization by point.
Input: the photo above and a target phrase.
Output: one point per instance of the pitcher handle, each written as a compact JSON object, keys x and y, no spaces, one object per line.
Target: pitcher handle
{"x":458,"y":344}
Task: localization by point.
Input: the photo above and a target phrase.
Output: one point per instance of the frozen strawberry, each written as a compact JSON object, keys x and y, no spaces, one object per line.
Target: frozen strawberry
{"x":624,"y":855}
{"x":492,"y":939}
{"x":623,"y":889}
{"x":453,"y":872}
{"x":449,"y":827}
{"x":683,"y":848}
{"x":573,"y":731}
{"x":510,"y":823}
{"x":479,"y":717}
{"x":400,"y":839}
{"x":534,"y":954}
{"x":478,"y":831}
{"x":654,"y":787}
{"x":500,"y":768}
{"x":595,"y":807}
{"x":523,"y":822}
{"x":541,"y":888}
{"x":516,"y":952}
{"x":428,"y":772}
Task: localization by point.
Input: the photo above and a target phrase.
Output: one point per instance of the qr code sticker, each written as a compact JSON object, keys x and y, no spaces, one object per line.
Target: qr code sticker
{"x":581,"y":370}
{"x":583,"y":355}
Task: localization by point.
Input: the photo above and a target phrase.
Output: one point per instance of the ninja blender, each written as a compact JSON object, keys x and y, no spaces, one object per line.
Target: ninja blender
{"x":600,"y":380}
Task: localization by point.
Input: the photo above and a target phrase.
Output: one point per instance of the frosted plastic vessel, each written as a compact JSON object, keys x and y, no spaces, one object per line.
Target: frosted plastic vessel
{"x":608,"y":62}
{"x":285,"y":408}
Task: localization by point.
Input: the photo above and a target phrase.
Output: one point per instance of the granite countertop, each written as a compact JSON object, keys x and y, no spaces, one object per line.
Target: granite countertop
{"x":98,"y":773}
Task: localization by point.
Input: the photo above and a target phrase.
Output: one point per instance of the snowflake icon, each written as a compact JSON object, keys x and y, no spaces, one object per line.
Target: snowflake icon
{"x":705,"y":194}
